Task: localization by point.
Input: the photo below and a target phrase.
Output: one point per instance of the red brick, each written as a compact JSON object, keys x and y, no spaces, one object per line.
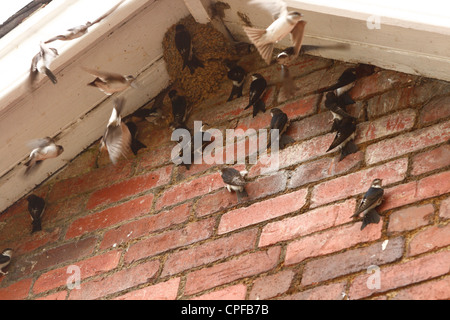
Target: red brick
{"x":351,"y":261}
{"x":190,"y":189}
{"x":432,"y":290}
{"x":429,"y":239}
{"x":434,"y":110}
{"x":111,"y":216}
{"x":146,"y":225}
{"x":262,"y":211}
{"x":272,"y":285}
{"x":225,"y":272}
{"x":153,"y":245}
{"x":310,"y":126}
{"x":358,"y":182}
{"x":58,"y":211}
{"x":307,"y":223}
{"x":330,"y":241}
{"x":324,"y":168}
{"x":259,"y":122}
{"x":116,"y":282}
{"x":151,"y":160}
{"x":444,"y":211}
{"x":130,"y":187}
{"x":403,"y":274}
{"x":300,"y":107}
{"x":385,"y":126}
{"x":431,"y":160}
{"x":89,"y":267}
{"x":411,"y":218}
{"x":236,"y":292}
{"x":333,"y":291}
{"x":65,"y":253}
{"x":215,"y":202}
{"x":414,"y":191}
{"x":16,"y":291}
{"x":37,"y":240}
{"x":209,"y":252}
{"x":61,"y":295}
{"x":82,"y":164}
{"x":408,"y":142}
{"x":167,"y":290}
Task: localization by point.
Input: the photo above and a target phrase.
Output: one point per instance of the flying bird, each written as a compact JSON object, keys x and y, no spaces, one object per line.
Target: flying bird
{"x":345,"y":134}
{"x":36,"y":206}
{"x":117,"y":137}
{"x":234,"y":180}
{"x":5,"y":259}
{"x":284,"y":23}
{"x":78,"y":31}
{"x":136,"y":145}
{"x":257,"y":89}
{"x":279,"y":121}
{"x":237,"y":75}
{"x":42,"y":149}
{"x":179,"y":109}
{"x":41,"y":64}
{"x":109,"y":82}
{"x":184,"y":47}
{"x":372,"y":198}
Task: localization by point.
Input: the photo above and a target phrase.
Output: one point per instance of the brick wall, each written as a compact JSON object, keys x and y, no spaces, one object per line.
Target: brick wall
{"x":147,"y":229}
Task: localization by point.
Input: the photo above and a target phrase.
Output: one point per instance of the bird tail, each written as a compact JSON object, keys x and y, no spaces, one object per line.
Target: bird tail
{"x":36,"y":225}
{"x":345,"y":99}
{"x":50,"y":75}
{"x":136,"y":145}
{"x":349,"y":148}
{"x":371,"y":216}
{"x":241,"y":194}
{"x":259,"y":106}
{"x":264,"y":49}
{"x":194,"y":63}
{"x":31,"y":165}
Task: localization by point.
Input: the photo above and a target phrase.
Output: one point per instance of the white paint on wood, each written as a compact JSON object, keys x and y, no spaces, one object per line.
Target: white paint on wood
{"x":198,"y":10}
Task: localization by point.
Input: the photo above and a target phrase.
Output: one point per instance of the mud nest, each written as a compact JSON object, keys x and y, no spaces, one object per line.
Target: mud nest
{"x":211,"y":47}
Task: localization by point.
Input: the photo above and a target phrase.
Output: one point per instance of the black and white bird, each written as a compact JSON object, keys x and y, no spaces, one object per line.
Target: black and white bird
{"x":136,"y":145}
{"x":110,"y":82}
{"x":117,"y":137}
{"x":36,"y":206}
{"x":195,"y":146}
{"x":285,"y":22}
{"x":41,"y":64}
{"x":337,"y":108}
{"x":235,"y":180}
{"x":345,"y":135}
{"x":237,"y":75}
{"x":41,"y":149}
{"x":179,"y":110}
{"x":78,"y":31}
{"x":280,"y":121}
{"x":184,"y":46}
{"x":372,"y":199}
{"x":5,"y":259}
{"x":258,"y":87}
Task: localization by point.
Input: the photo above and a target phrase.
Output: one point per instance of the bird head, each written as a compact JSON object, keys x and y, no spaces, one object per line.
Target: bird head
{"x":60,"y":149}
{"x":275,"y":111}
{"x":256,"y":76}
{"x":376,"y":183}
{"x":294,"y":16}
{"x":7,"y":252}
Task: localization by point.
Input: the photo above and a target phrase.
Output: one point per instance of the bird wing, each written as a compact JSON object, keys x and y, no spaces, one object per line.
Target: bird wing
{"x":118,"y":141}
{"x":4,"y":259}
{"x":104,"y":75}
{"x":279,"y":121}
{"x":40,"y":143}
{"x":107,"y":13}
{"x":232,"y":177}
{"x":370,"y":198}
{"x":297,"y":35}
{"x":276,"y":7}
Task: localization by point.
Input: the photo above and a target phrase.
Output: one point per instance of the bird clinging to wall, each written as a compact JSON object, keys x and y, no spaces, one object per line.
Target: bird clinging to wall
{"x":237,"y":75}
{"x":5,"y":259}
{"x":184,"y":46}
{"x":36,"y":206}
{"x":345,"y":134}
{"x":372,"y":198}
{"x":234,"y":180}
{"x":179,"y":109}
{"x":280,"y":122}
{"x":257,"y":89}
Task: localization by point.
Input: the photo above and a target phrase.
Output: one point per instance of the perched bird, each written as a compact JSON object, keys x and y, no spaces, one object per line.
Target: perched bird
{"x":337,"y":108}
{"x":257,"y":88}
{"x":41,"y":64}
{"x":36,"y":206}
{"x":179,"y":109}
{"x":109,"y":82}
{"x":345,"y":133}
{"x":372,"y":199}
{"x":234,"y":180}
{"x":5,"y":259}
{"x":237,"y":75}
{"x":280,"y":121}
{"x":284,"y":23}
{"x":136,"y":145}
{"x":184,"y":47}
{"x":117,"y":137}
{"x":42,"y":149}
{"x":78,"y":31}
{"x":203,"y":138}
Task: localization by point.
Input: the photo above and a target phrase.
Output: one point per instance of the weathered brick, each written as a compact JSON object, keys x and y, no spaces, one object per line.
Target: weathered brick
{"x":61,"y":295}
{"x":236,"y":292}
{"x":432,"y":290}
{"x":36,"y":240}
{"x":330,"y":241}
{"x":429,"y":239}
{"x":225,"y":272}
{"x":89,"y":267}
{"x":153,"y":245}
{"x":262,"y":211}
{"x":16,"y":291}
{"x":411,"y":218}
{"x":146,"y":225}
{"x":333,"y":291}
{"x":324,"y":168}
{"x":444,"y":211}
{"x":116,"y":282}
{"x":351,"y":261}
{"x":300,"y":107}
{"x":83,"y":163}
{"x":310,"y":127}
{"x":272,"y":285}
{"x":59,"y":211}
{"x":190,"y":189}
{"x":209,"y":252}
{"x":130,"y":187}
{"x":151,"y":160}
{"x":431,"y":160}
{"x":402,"y":274}
{"x":408,"y":142}
{"x":167,"y":290}
{"x":358,"y":182}
{"x":111,"y":216}
{"x":434,"y":110}
{"x":307,"y":223}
